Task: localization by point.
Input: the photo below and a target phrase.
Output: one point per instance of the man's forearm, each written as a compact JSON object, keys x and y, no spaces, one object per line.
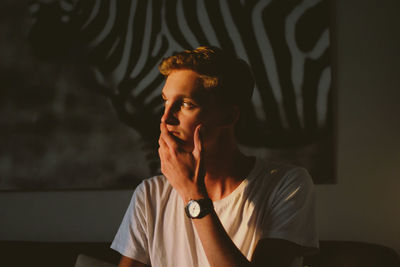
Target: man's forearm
{"x":218,"y":246}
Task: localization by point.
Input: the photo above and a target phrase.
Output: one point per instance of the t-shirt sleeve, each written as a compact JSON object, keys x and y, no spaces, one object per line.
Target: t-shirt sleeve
{"x":291,"y":215}
{"x":131,"y":238}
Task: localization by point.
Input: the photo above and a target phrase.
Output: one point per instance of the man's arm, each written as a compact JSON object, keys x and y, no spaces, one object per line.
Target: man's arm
{"x":218,"y":246}
{"x":130,"y":238}
{"x":221,"y":251}
{"x":128,"y":262}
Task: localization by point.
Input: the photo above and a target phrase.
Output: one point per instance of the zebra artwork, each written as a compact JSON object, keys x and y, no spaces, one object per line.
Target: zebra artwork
{"x":286,"y":42}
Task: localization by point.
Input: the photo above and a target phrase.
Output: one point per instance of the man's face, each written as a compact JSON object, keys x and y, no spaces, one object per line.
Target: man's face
{"x":188,"y":104}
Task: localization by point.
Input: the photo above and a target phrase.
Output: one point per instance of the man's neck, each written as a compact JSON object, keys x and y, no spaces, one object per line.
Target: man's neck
{"x":226,"y":167}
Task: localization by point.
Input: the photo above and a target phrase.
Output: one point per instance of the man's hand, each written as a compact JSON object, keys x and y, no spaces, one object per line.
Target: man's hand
{"x":184,"y":170}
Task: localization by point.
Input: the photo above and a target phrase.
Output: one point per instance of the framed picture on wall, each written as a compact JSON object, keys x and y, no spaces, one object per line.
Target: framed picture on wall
{"x":81,"y":92}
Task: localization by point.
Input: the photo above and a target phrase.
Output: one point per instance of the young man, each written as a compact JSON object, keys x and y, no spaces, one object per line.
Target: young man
{"x":213,"y":205}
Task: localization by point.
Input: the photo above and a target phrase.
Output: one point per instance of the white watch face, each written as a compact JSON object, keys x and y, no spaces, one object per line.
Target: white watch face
{"x":194,"y":209}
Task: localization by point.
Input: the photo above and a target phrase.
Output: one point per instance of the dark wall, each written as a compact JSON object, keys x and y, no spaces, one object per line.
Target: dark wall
{"x":364,"y":203}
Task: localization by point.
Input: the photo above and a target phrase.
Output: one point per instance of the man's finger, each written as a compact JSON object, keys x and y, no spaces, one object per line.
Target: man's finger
{"x":198,"y":153}
{"x":161,"y":141}
{"x":163,"y":144}
{"x":162,"y":159}
{"x":167,"y":137}
{"x":198,"y":142}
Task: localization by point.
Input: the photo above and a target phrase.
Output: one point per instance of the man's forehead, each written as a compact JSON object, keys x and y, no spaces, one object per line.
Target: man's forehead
{"x":197,"y":94}
{"x":184,"y":83}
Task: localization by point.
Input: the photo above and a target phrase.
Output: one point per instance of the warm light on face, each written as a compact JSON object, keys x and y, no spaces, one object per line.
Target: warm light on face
{"x":188,"y":104}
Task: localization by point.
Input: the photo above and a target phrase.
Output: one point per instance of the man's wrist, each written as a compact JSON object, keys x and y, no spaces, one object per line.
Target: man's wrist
{"x":197,"y":193}
{"x":198,"y":208}
{"x":192,"y":196}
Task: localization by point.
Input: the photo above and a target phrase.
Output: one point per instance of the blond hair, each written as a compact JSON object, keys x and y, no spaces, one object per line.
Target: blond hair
{"x":226,"y":75}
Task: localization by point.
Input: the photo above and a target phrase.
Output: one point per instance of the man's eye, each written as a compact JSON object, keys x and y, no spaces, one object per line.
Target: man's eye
{"x":187,"y":104}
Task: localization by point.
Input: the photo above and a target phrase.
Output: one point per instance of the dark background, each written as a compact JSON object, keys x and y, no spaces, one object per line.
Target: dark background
{"x":363,"y":205}
{"x":65,"y":128}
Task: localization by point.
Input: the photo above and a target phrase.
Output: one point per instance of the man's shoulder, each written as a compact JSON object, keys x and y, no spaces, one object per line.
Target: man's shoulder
{"x":266,"y":166}
{"x":282,"y":173}
{"x":157,"y":180}
{"x":154,"y":186}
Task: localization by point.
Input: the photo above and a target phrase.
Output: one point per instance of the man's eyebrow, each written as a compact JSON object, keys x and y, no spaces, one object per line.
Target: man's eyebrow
{"x":183,"y":96}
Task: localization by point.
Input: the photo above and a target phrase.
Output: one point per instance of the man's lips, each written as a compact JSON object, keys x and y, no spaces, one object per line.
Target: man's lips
{"x":178,"y":137}
{"x":174,"y":132}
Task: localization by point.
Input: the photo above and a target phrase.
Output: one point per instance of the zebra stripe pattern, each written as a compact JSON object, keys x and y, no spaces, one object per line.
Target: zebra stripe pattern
{"x":285,"y":42}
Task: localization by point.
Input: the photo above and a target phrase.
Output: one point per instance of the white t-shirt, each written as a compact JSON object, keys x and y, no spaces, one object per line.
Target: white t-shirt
{"x":274,"y":201}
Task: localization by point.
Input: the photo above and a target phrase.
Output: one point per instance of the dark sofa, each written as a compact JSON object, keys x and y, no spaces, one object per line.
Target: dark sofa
{"x":332,"y":253}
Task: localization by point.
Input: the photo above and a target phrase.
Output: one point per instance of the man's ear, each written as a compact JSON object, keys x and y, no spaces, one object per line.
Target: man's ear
{"x":231,"y":116}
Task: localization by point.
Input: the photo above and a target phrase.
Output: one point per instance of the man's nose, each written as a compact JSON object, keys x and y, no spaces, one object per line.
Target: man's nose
{"x":169,"y":116}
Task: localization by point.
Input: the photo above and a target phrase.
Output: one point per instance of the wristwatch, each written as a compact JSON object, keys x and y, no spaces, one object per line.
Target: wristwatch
{"x":198,"y":208}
